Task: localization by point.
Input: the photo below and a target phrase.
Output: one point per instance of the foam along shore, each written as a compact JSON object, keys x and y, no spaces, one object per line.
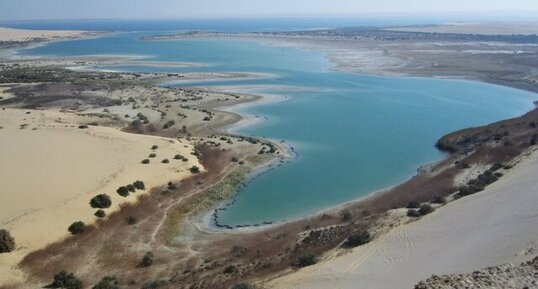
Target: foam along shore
{"x":24,"y":35}
{"x":492,"y":227}
{"x":50,"y":170}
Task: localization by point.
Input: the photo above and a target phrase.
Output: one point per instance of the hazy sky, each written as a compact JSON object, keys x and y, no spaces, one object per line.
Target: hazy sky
{"x":69,"y":9}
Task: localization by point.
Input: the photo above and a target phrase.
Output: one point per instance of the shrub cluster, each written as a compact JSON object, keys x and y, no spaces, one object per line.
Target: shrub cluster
{"x":107,"y":283}
{"x":130,"y":188}
{"x":7,"y":243}
{"x":478,"y":184}
{"x":243,"y":286}
{"x":66,"y":280}
{"x":306,"y":259}
{"x":358,"y":238}
{"x":195,"y":169}
{"x":147,"y":260}
{"x":422,"y":211}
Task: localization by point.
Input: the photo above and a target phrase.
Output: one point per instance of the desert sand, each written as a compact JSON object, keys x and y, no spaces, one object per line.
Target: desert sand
{"x":23,"y":35}
{"x":492,"y":227}
{"x":51,"y":170}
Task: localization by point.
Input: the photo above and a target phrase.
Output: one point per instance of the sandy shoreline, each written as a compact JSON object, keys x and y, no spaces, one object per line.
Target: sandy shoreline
{"x":493,"y":227}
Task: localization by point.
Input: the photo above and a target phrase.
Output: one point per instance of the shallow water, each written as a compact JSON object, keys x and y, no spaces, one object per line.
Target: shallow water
{"x":354,"y":134}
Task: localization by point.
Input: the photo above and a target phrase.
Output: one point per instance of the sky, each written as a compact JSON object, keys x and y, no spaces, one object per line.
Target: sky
{"x":171,"y":9}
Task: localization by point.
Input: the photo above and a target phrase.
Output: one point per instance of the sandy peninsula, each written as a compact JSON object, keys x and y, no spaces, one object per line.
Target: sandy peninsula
{"x":22,"y":36}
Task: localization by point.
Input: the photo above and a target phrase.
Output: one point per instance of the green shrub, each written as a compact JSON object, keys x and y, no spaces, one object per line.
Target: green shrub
{"x":83,"y":126}
{"x":243,"y":286}
{"x":131,"y":188}
{"x":413,"y":213}
{"x":77,"y":228}
{"x":145,"y":161}
{"x":154,"y":147}
{"x":425,"y":209}
{"x":195,"y":169}
{"x":230,"y":269}
{"x":152,"y":155}
{"x":66,"y":280}
{"x":165,"y":161}
{"x":139,"y":185}
{"x":306,"y":259}
{"x":107,"y":283}
{"x":178,"y":157}
{"x":131,"y":220}
{"x":101,"y":201}
{"x":7,"y":243}
{"x":147,"y":260}
{"x":358,"y":238}
{"x":123,"y":191}
{"x":100,"y":213}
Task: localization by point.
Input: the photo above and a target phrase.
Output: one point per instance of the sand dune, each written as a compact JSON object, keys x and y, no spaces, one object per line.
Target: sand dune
{"x":50,"y":170}
{"x":493,"y":227}
{"x":22,"y":35}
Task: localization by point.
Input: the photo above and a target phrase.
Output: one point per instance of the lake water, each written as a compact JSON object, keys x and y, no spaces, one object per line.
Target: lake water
{"x":354,"y":134}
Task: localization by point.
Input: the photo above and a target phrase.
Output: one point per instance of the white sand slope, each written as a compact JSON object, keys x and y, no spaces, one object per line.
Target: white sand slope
{"x":493,"y":227}
{"x":23,"y":35}
{"x":48,"y":175}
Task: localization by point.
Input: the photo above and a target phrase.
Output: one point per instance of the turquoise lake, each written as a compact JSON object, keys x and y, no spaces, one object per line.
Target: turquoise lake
{"x":354,"y":134}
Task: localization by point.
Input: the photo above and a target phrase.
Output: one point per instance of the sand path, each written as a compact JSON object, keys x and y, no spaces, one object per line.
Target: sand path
{"x":498,"y":225}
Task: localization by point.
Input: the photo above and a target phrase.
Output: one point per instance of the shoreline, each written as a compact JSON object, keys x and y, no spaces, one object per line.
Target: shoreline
{"x":246,"y":119}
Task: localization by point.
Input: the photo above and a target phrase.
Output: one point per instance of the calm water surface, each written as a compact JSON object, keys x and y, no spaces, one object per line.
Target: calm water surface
{"x":354,"y":134}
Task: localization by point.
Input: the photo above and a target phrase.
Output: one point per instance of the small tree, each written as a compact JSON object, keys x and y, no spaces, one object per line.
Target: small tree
{"x":131,"y":188}
{"x":358,"y":238}
{"x":107,"y":283}
{"x":145,"y":161}
{"x":101,"y":201}
{"x":165,"y":161}
{"x":154,"y":147}
{"x":77,"y":228}
{"x":139,"y":185}
{"x":147,"y":260}
{"x":66,"y":280}
{"x":7,"y":243}
{"x":123,"y":191}
{"x":195,"y":169}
